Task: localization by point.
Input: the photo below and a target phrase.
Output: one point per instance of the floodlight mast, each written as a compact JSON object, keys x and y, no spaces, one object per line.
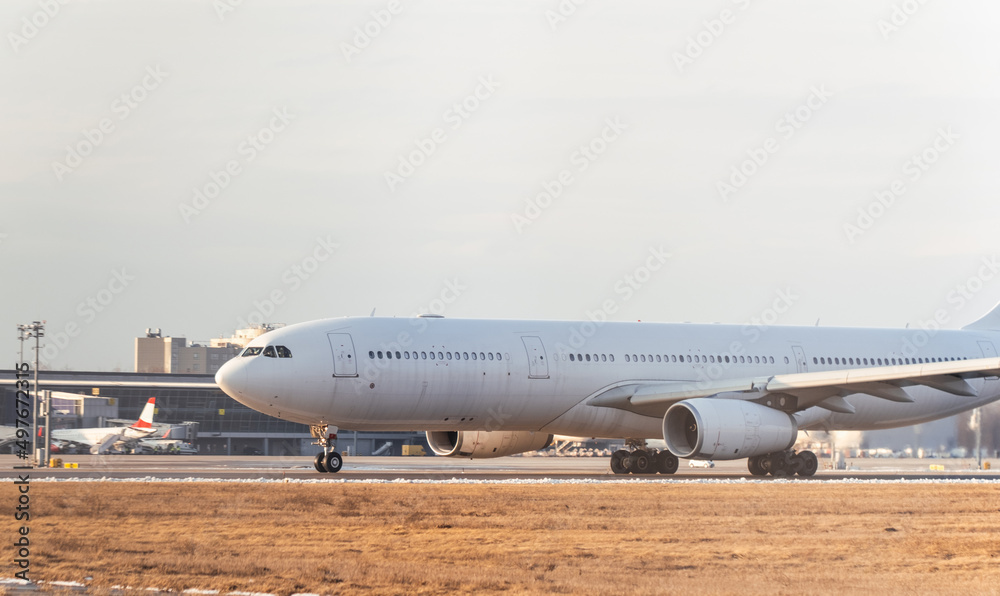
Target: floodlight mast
{"x":37,"y":330}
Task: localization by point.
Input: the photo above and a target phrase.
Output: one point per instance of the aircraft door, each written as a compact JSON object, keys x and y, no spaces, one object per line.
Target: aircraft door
{"x":344,"y":362}
{"x":800,"y":359}
{"x":538,"y":368}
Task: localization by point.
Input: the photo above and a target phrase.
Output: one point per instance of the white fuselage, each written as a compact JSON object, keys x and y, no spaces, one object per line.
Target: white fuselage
{"x":376,"y":373}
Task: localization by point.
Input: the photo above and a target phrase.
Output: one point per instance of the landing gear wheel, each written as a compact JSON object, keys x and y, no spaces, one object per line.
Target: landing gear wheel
{"x":320,"y":462}
{"x":619,"y":463}
{"x":809,"y":464}
{"x":666,"y":463}
{"x":756,"y":467}
{"x":781,"y":466}
{"x":333,"y":462}
{"x":642,"y":463}
{"x":797,"y":464}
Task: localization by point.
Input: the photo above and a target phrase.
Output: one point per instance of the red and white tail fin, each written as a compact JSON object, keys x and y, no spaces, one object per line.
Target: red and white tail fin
{"x":145,"y":421}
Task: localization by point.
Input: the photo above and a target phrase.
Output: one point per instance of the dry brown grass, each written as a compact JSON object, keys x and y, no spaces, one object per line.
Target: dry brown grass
{"x":580,"y":539}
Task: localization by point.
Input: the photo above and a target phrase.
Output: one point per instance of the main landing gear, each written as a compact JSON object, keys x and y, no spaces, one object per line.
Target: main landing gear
{"x":326,"y":437}
{"x":638,"y":459}
{"x":781,"y":464}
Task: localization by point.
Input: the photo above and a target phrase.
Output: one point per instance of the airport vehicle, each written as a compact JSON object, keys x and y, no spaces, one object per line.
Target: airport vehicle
{"x":101,"y":439}
{"x":489,"y":388}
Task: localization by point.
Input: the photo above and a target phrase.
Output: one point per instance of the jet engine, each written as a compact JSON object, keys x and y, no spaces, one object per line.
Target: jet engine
{"x":706,"y":428}
{"x":483,"y":444}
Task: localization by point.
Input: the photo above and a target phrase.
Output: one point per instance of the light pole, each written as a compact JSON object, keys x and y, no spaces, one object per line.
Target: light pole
{"x":37,"y":330}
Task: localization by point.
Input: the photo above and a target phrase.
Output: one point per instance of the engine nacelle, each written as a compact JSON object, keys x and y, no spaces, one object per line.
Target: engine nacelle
{"x":706,"y":428}
{"x":480,"y":444}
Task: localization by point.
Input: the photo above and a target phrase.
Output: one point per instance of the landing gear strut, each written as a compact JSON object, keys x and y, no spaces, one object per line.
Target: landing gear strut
{"x":638,"y":459}
{"x":326,"y":437}
{"x":781,"y":464}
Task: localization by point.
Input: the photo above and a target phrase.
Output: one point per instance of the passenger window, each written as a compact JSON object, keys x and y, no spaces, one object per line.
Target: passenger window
{"x":588,"y":357}
{"x":371,"y":354}
{"x":448,"y":354}
{"x":604,"y":357}
{"x":432,"y":355}
{"x":440,"y":356}
{"x":572,"y":357}
{"x":465,"y":355}
{"x":398,"y":355}
{"x":611,"y":357}
{"x":474,"y":356}
{"x":283,"y":352}
{"x":491,"y":355}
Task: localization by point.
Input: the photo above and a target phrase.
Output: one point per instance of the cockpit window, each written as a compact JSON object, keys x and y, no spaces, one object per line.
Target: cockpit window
{"x":283,"y":352}
{"x":252,"y":351}
{"x":269,"y":351}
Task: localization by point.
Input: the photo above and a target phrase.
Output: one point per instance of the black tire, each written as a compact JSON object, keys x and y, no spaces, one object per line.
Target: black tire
{"x":755,"y":466}
{"x":619,"y":463}
{"x":642,"y":463}
{"x":334,"y":462}
{"x":780,"y":464}
{"x":667,"y":463}
{"x":809,"y":464}
{"x":796,"y":464}
{"x":320,"y":462}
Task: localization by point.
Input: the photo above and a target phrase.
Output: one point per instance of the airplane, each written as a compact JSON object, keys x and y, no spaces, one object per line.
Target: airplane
{"x":490,"y":388}
{"x":97,"y":440}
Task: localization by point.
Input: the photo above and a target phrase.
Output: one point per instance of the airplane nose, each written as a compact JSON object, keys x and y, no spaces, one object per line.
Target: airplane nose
{"x":232,"y":379}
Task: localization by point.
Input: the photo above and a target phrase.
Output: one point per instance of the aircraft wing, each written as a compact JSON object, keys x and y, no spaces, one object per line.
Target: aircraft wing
{"x":798,"y":391}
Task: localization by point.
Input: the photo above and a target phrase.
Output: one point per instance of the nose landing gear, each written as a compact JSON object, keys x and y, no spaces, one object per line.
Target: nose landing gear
{"x":329,"y":460}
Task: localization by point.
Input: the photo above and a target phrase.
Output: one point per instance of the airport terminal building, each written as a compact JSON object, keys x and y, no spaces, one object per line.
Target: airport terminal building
{"x":223,"y":425}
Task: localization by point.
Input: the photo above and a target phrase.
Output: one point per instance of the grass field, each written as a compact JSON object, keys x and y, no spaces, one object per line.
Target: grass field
{"x":768,"y":538}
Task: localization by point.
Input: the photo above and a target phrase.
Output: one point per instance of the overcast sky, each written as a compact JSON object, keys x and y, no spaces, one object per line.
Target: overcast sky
{"x":179,"y":164}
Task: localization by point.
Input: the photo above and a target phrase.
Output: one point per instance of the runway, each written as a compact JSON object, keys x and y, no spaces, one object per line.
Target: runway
{"x":439,"y":469}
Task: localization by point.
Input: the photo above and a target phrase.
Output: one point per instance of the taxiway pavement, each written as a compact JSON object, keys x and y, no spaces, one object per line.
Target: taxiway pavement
{"x":205,"y":467}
